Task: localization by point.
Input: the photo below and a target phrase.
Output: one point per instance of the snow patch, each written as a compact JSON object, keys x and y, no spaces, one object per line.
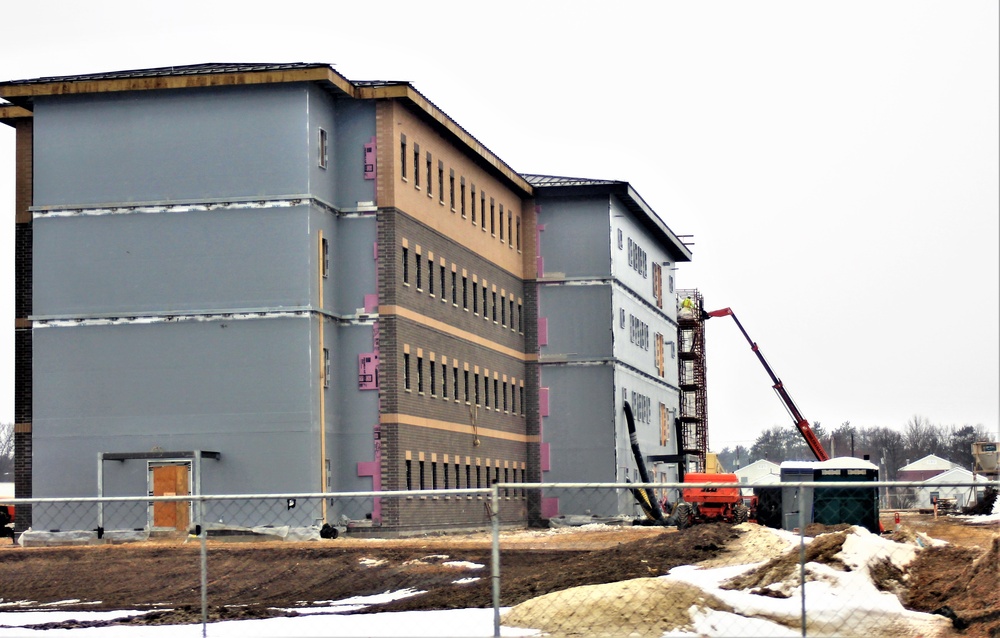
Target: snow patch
{"x":462,"y":564}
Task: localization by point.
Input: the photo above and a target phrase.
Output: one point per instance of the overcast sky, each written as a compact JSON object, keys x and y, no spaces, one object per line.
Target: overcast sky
{"x":836,"y":162}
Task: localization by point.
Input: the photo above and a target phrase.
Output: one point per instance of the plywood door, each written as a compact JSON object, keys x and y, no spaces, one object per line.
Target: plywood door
{"x":171,"y":480}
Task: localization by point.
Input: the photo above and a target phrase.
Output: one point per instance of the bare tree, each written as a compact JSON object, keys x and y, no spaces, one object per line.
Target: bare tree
{"x":922,"y":438}
{"x":6,"y":452}
{"x":842,"y":439}
{"x":886,"y":447}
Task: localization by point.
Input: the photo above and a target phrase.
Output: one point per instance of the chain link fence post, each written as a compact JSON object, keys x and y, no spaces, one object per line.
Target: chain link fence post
{"x":802,"y":553}
{"x":495,"y":556}
{"x":203,"y":537}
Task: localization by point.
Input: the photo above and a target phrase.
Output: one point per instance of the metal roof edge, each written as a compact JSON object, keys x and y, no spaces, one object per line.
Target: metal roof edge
{"x":629,"y":196}
{"x":407,"y":92}
{"x":20,"y":93}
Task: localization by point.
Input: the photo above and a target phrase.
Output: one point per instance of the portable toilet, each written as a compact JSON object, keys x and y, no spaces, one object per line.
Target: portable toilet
{"x":796,"y":472}
{"x":851,"y":505}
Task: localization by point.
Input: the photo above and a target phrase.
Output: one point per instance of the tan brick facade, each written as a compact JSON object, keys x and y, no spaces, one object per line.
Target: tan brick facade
{"x":432,"y":317}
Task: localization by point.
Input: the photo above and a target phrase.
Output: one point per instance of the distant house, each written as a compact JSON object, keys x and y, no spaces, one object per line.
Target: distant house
{"x":936,"y":487}
{"x":925,"y":468}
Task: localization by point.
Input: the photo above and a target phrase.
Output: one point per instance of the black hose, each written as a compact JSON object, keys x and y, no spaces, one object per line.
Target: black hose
{"x":645,"y":496}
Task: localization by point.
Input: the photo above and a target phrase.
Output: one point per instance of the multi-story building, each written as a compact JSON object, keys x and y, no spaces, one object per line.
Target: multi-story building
{"x":273,"y":279}
{"x":607,"y":334}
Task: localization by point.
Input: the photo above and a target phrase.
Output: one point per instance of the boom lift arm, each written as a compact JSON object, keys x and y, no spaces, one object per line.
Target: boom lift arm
{"x":800,"y":421}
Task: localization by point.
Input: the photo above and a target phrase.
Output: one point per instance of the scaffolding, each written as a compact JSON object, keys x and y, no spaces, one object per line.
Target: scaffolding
{"x":693,"y":419}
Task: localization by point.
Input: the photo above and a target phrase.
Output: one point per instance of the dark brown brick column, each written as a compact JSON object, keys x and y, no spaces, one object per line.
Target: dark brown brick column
{"x":388,"y":255}
{"x":23,"y":198}
{"x":533,"y":422}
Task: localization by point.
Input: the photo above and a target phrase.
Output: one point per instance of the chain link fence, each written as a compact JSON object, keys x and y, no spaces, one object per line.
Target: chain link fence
{"x":813,"y":560}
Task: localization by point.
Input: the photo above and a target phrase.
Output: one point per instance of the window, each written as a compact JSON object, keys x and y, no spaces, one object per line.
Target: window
{"x":465,"y":292}
{"x":458,"y":476}
{"x":510,"y":223}
{"x":505,"y":396}
{"x":454,"y":288}
{"x":422,"y":483}
{"x":521,"y":391}
{"x":494,"y":306}
{"x":510,"y":304}
{"x":443,"y":286}
{"x":445,"y":468}
{"x":472,"y":203}
{"x":479,"y":473}
{"x":466,"y":378}
{"x":430,"y":276}
{"x":621,"y":317}
{"x":434,"y":477}
{"x":430,"y":175}
{"x":503,"y":314}
{"x":326,"y":367}
{"x":637,"y":258}
{"x":496,"y":394}
{"x":501,"y":223}
{"x":519,"y":232}
{"x":482,"y":208}
{"x":638,"y":332}
{"x":468,"y":476}
{"x":520,"y":318}
{"x":671,"y":279}
{"x":416,"y":166}
{"x":444,"y":380}
{"x":419,"y":267}
{"x":403,"y":157}
{"x":323,"y":150}
{"x":486,"y":390}
{"x":325,"y":250}
{"x":420,"y":375}
{"x":664,"y":427}
{"x":461,"y":196}
{"x":621,"y":239}
{"x":441,"y":185}
{"x":406,"y":265}
{"x":406,"y":371}
{"x":475,"y":299}
{"x":454,"y":380}
{"x":477,"y":386}
{"x":658,"y":285}
{"x":658,"y":353}
{"x":409,"y":474}
{"x":513,"y":397}
{"x":485,"y":292}
{"x":433,"y":371}
{"x":493,"y":217}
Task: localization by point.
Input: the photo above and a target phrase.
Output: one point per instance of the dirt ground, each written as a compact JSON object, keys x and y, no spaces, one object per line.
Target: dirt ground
{"x":253,"y":580}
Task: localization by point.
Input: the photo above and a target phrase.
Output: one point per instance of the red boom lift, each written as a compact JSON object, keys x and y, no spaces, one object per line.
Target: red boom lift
{"x":800,"y":421}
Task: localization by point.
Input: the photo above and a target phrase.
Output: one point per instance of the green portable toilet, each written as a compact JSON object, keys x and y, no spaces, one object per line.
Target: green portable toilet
{"x":851,"y":505}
